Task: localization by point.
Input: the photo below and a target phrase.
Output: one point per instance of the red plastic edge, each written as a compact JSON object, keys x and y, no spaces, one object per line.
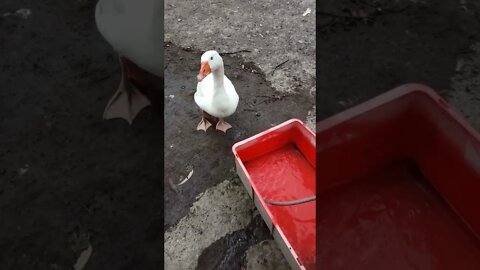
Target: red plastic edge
{"x":390,"y":96}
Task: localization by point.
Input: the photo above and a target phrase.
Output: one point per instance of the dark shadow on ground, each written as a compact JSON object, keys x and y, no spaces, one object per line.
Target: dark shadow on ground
{"x":229,"y":252}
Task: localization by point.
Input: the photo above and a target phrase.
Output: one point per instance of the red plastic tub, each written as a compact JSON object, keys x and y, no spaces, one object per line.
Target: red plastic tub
{"x":279,"y":165}
{"x":399,"y":185}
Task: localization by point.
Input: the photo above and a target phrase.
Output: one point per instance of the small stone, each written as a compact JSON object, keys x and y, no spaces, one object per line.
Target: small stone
{"x":23,"y":170}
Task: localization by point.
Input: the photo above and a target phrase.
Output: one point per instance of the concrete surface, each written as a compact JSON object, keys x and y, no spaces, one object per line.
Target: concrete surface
{"x":266,"y":255}
{"x":219,"y":210}
{"x":465,"y":86}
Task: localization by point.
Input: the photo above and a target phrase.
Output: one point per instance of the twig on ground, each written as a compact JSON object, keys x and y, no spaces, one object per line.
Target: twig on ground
{"x":279,"y":65}
{"x":240,"y":51}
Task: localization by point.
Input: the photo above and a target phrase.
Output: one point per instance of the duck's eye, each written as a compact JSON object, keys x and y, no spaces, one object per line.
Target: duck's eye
{"x":211,"y":58}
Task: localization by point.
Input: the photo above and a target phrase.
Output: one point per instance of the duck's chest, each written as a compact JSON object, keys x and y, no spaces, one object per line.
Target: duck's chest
{"x":222,"y":106}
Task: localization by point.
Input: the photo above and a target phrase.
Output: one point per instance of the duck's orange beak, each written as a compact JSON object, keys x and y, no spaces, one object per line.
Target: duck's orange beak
{"x":204,"y":71}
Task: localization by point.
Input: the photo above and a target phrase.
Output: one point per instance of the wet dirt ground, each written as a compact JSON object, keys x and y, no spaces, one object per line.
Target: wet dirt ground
{"x":68,"y":179}
{"x":368,"y":47}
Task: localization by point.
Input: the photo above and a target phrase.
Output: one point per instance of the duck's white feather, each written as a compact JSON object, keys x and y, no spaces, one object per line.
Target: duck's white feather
{"x":219,"y":104}
{"x":134,"y":28}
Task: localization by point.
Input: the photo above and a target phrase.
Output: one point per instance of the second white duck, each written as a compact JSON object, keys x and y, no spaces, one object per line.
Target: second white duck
{"x":215,"y":94}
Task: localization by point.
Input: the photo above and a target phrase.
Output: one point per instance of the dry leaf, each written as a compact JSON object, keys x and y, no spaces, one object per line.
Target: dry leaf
{"x":187,"y":178}
{"x":23,"y":13}
{"x":83,"y":258}
{"x":308,"y":11}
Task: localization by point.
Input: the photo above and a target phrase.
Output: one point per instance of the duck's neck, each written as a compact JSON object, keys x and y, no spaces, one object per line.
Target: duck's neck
{"x":218,"y":84}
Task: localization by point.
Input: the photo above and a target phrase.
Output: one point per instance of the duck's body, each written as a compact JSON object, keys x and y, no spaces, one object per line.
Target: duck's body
{"x":134,"y":28}
{"x":215,"y":93}
{"x":220,"y":102}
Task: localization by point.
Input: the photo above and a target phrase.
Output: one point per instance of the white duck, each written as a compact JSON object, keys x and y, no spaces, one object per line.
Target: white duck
{"x":134,"y":28}
{"x":215,"y":94}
